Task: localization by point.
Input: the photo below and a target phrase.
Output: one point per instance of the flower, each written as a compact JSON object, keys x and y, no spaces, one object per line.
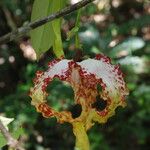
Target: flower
{"x":84,"y":77}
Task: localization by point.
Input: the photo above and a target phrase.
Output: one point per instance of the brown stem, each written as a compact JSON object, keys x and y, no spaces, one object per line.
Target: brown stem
{"x":22,"y":31}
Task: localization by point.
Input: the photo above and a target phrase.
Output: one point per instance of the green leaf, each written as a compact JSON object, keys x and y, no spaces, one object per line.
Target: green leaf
{"x":48,"y":35}
{"x":3,"y":142}
{"x":72,"y":33}
{"x":41,"y":37}
{"x":56,"y":25}
{"x":15,"y":134}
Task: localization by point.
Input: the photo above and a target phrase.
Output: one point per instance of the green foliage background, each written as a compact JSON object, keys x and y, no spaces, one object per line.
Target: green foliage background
{"x":121,"y":32}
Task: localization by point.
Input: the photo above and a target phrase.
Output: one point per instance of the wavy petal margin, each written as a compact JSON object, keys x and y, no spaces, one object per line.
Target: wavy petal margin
{"x":110,"y":78}
{"x":84,"y":77}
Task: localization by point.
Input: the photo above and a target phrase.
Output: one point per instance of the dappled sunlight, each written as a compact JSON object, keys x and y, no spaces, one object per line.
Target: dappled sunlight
{"x":28,"y":50}
{"x":11,"y":59}
{"x":2,"y":60}
{"x":99,"y":18}
{"x":75,"y":1}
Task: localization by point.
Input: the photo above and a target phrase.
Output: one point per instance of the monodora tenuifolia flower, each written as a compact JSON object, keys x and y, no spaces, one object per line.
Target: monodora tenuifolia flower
{"x":84,"y":77}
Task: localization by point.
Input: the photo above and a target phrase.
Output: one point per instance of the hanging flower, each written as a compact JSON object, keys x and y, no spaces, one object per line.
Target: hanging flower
{"x":84,"y":77}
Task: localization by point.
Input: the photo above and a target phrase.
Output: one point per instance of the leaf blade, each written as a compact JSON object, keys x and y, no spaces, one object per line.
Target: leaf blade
{"x":41,"y":37}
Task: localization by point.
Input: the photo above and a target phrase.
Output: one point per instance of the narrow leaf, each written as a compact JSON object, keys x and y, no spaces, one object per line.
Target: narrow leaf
{"x":56,"y":25}
{"x":72,"y":32}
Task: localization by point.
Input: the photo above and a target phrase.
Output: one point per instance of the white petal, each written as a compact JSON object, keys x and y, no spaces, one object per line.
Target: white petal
{"x":110,"y":75}
{"x":56,"y":69}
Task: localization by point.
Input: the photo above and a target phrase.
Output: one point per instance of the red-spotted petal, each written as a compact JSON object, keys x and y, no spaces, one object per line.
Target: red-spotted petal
{"x":111,"y":80}
{"x":83,"y":77}
{"x":113,"y":84}
{"x":57,"y":68}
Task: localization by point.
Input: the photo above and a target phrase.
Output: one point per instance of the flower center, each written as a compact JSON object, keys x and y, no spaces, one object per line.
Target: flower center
{"x":100,"y":104}
{"x":75,"y":110}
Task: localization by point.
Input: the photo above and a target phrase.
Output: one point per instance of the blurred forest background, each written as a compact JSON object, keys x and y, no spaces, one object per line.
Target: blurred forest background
{"x":117,"y":28}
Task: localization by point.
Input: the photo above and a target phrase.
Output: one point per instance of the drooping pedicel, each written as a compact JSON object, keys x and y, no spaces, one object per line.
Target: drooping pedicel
{"x":84,"y":77}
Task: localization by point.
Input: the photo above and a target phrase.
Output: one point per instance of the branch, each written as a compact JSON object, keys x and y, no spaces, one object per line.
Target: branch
{"x":22,"y":31}
{"x":13,"y":143}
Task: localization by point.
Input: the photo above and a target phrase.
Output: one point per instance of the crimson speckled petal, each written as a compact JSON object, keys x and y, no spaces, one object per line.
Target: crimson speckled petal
{"x":84,"y":77}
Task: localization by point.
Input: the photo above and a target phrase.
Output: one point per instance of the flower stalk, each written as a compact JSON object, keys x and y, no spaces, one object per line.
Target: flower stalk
{"x":77,"y":40}
{"x":82,"y":141}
